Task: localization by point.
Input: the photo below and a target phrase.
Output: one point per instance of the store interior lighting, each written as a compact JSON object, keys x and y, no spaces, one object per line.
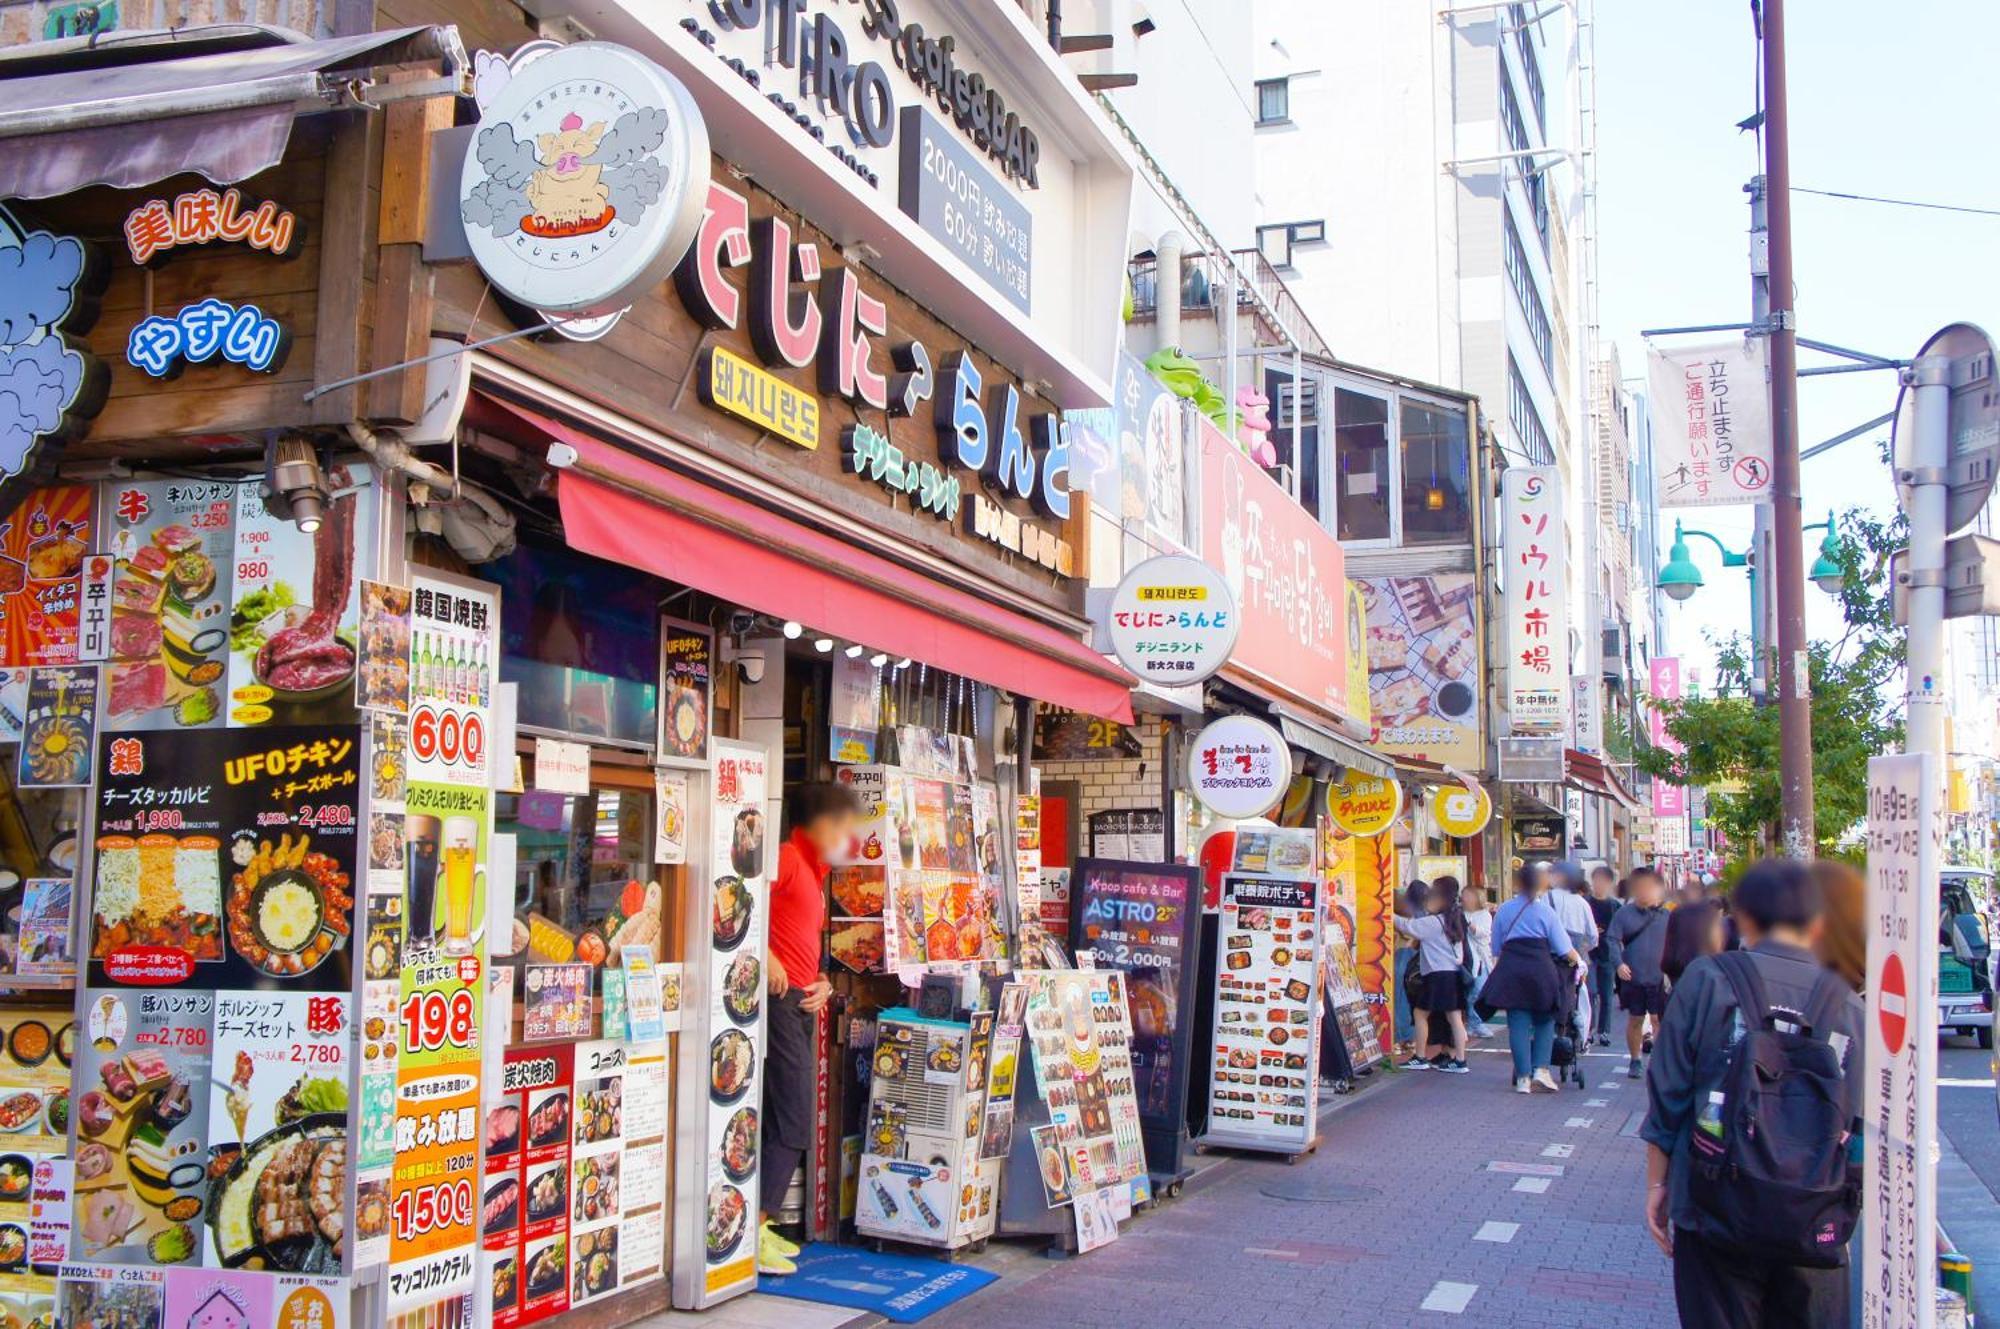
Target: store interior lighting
{"x":793,"y":629}
{"x":854,"y":651}
{"x":879,"y":659}
{"x":823,"y":645}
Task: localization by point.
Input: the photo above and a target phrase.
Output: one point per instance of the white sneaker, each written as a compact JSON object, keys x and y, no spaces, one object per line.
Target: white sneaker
{"x":1522,"y":1085}
{"x":1545,"y":1083}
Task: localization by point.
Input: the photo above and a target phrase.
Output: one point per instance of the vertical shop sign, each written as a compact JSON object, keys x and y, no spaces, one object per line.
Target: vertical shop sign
{"x":1536,"y":584}
{"x":43,"y":543}
{"x":687,"y":692}
{"x":1905,"y":847}
{"x":1664,"y":671}
{"x":456,"y":627}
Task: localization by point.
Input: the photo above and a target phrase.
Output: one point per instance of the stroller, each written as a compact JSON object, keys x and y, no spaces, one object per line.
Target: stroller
{"x":1572,"y":1033}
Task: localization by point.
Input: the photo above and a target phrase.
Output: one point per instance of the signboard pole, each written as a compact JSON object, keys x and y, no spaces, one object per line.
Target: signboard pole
{"x":1905,"y":843}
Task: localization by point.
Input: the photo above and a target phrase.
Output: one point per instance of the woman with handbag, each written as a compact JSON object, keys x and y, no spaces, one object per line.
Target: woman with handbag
{"x":1442,"y":955}
{"x":1526,"y":982}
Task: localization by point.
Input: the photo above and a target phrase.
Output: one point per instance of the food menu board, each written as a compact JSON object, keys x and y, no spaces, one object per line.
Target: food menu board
{"x":573,"y":1207}
{"x":59,"y":730}
{"x":718,"y":1245}
{"x":99,"y":1296}
{"x":1082,"y":1056}
{"x":171,"y":542}
{"x":37,"y":1047}
{"x":1264,"y":1074}
{"x":226,"y":860}
{"x":687,"y":663}
{"x":295,"y":606}
{"x":42,"y":546}
{"x":1143,"y":919}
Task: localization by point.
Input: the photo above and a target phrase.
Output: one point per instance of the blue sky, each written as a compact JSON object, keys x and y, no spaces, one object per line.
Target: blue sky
{"x":1894,"y":100}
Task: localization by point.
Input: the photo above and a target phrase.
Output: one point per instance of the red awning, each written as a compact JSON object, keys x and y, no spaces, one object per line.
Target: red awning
{"x":1593,"y":775}
{"x":628,"y":510}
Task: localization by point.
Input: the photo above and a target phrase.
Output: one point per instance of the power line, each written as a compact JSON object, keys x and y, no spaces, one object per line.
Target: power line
{"x":1898,"y":202}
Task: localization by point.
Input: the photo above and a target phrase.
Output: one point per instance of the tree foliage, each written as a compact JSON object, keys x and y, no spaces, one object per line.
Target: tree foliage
{"x":1731,"y":741}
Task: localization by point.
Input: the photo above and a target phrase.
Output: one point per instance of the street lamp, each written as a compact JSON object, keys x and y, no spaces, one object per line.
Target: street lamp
{"x":1681,"y":577}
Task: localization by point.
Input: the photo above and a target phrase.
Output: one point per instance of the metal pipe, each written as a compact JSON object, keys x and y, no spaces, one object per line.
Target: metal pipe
{"x":1760,"y":540}
{"x":1929,"y":381}
{"x":1787,"y":583}
{"x":1167,"y":278}
{"x":295,"y":90}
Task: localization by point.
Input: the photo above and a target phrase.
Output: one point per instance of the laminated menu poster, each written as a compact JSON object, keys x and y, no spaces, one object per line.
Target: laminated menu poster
{"x":687,"y":685}
{"x":279,"y":1155}
{"x":142,"y":1083}
{"x":43,"y":943}
{"x":574,"y":1202}
{"x":1263,"y":1082}
{"x":454,"y":665}
{"x":733,"y":1020}
{"x":171,"y":543}
{"x":1085,"y":1075}
{"x":43,"y":542}
{"x":37,"y":1047}
{"x":295,"y":607}
{"x":98,"y":1296}
{"x":60,"y":728}
{"x":1143,"y":919}
{"x":226,"y":860}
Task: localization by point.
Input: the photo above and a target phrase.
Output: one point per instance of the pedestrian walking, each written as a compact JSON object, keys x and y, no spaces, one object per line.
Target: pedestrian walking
{"x":1637,"y":941}
{"x":1606,"y":894}
{"x":1443,"y":953}
{"x":1843,"y":948}
{"x":1527,"y":982}
{"x":1569,"y":896}
{"x":1693,"y":930}
{"x":1479,"y":929}
{"x":1753,"y":1097}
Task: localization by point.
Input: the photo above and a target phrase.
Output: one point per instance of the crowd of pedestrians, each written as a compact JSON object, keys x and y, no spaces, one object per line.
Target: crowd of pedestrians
{"x":1753,"y":1195}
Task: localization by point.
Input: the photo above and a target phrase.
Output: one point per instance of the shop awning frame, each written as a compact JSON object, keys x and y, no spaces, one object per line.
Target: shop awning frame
{"x":626,"y":506}
{"x":1593,"y":775}
{"x":1303,"y":732}
{"x":222,"y":110}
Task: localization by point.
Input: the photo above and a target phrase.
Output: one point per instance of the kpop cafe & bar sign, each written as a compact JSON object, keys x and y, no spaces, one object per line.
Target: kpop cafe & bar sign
{"x":1534,"y":583}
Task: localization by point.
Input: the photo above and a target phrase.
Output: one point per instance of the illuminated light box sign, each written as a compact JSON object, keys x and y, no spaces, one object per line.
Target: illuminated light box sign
{"x":204,"y":216}
{"x":733,"y":385}
{"x":240,"y":334}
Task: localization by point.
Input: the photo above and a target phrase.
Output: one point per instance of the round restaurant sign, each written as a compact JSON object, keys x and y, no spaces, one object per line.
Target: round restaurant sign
{"x":585,"y":181}
{"x":1173,"y":620}
{"x":1363,"y":804}
{"x":1461,"y":812}
{"x":1239,"y":767}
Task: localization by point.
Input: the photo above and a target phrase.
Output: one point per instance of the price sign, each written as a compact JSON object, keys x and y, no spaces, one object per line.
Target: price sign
{"x":454,"y":661}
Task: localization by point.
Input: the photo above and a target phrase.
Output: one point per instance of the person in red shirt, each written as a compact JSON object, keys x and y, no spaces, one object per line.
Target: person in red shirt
{"x":823,"y":817}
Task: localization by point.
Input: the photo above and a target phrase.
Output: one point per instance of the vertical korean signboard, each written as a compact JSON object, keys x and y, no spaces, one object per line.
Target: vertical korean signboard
{"x":433,"y":1191}
{"x":1905,"y":843}
{"x":1711,"y":410}
{"x":1669,"y":800}
{"x":1536,"y":585}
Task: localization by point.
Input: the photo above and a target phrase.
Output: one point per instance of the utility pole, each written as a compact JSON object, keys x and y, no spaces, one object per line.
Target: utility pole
{"x":1787,"y":586}
{"x":1760,"y":540}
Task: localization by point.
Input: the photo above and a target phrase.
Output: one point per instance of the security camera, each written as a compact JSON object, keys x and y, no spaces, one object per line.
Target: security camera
{"x":750,"y":664}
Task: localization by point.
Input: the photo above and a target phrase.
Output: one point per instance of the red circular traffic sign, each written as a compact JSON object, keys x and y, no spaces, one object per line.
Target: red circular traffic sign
{"x":1893,"y":993}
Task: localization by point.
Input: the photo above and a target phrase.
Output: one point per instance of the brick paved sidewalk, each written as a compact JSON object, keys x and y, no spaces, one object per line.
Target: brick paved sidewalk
{"x":1433,"y":1198}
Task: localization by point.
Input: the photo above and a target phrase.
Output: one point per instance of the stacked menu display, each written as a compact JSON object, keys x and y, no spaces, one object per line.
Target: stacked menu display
{"x":1080,"y":1030}
{"x":1264,"y":1071}
{"x":37,"y":1047}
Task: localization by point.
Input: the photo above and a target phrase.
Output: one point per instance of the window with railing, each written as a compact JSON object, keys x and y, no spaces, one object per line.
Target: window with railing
{"x":1526,"y":418}
{"x":1514,"y":255}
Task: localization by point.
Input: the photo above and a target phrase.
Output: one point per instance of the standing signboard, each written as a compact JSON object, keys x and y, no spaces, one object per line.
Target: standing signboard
{"x":1143,"y":918}
{"x":1711,"y":423}
{"x":1905,"y":844}
{"x":1263,"y":1051}
{"x":1536,"y":586}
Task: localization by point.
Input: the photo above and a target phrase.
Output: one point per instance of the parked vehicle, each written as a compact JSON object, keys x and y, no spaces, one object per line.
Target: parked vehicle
{"x":1965,"y":959}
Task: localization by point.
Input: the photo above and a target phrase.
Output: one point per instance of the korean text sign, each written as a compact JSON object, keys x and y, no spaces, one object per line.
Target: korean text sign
{"x":1711,"y":410}
{"x":1536,"y":585}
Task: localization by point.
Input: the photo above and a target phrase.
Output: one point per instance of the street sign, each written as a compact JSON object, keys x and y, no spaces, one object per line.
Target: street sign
{"x":1899,"y":1037}
{"x":1971,"y":578}
{"x":1974,"y":429}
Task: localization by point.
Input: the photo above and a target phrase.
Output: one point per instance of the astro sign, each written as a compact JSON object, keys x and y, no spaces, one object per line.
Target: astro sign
{"x":802,"y":314}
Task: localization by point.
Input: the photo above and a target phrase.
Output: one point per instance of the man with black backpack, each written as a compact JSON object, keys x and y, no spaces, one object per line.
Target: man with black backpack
{"x":1752,"y":1164}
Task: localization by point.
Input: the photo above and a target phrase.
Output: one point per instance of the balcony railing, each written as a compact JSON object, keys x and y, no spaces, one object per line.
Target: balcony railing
{"x":1204,"y":281}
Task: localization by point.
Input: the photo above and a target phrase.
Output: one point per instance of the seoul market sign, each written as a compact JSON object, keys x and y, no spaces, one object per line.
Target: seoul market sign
{"x":585,"y":181}
{"x":1362,"y":804}
{"x":1173,"y":620}
{"x":1239,"y":767}
{"x":1534,"y":582}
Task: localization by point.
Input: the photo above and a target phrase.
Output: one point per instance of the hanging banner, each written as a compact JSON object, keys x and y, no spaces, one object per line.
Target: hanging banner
{"x":1536,"y":585}
{"x":1664,"y":674}
{"x":1905,"y":844}
{"x":1711,"y":409}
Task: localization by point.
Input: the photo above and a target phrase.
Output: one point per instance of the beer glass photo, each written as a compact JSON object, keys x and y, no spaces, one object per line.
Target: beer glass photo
{"x":420,"y":849}
{"x":461,"y":867}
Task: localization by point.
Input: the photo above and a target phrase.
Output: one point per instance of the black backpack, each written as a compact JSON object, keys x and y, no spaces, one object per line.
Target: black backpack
{"x":1771,"y":1178}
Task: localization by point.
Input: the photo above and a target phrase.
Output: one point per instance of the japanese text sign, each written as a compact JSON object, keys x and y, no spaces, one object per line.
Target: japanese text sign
{"x":1239,"y":767}
{"x":1536,"y":586}
{"x":1173,"y":620}
{"x":1711,"y":410}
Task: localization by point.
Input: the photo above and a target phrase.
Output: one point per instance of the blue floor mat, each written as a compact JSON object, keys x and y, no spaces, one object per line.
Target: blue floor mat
{"x":902,"y":1288}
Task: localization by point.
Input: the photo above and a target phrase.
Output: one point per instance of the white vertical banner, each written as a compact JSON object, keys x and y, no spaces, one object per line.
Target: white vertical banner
{"x":1905,"y":848}
{"x":1535,"y":583}
{"x":1587,"y":708}
{"x":1711,"y":416}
